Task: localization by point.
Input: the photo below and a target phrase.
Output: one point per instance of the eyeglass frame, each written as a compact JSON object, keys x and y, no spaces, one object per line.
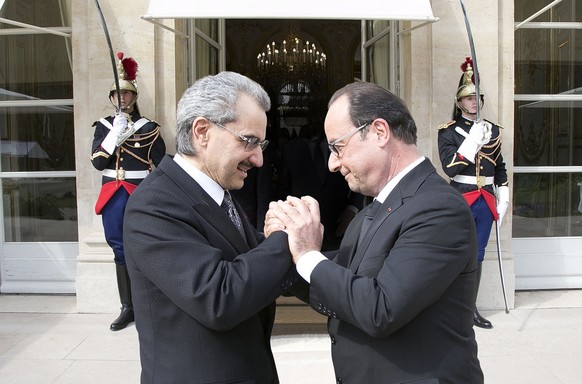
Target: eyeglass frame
{"x":250,"y":142}
{"x":333,"y":145}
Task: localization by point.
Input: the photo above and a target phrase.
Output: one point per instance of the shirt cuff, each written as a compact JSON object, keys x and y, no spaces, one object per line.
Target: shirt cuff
{"x":307,"y":263}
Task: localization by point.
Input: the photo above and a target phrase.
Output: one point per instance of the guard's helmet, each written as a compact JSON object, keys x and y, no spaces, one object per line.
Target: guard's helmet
{"x":127,"y":72}
{"x":467,"y":81}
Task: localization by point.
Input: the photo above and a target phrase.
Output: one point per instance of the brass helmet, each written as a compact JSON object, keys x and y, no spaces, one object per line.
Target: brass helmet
{"x":127,"y":72}
{"x":467,"y":81}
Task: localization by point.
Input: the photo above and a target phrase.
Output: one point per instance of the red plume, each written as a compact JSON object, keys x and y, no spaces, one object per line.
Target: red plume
{"x":467,"y":62}
{"x":130,"y":66}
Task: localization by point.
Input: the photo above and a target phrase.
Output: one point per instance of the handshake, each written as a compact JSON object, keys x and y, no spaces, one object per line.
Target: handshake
{"x":479,"y":135}
{"x":300,"y":219}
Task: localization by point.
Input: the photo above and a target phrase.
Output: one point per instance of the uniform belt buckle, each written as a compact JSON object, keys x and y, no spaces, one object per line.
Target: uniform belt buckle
{"x":481,"y":181}
{"x":121,"y":174}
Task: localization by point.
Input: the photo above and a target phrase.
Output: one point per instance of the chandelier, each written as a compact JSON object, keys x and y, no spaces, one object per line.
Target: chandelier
{"x":292,"y":61}
{"x":292,"y":56}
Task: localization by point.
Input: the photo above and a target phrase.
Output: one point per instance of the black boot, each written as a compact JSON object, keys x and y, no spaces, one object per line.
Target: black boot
{"x":124,"y":286}
{"x":479,"y":320}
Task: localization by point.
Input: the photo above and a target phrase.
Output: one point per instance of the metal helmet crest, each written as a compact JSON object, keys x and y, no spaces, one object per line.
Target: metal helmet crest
{"x":467,"y":81}
{"x":127,"y":71}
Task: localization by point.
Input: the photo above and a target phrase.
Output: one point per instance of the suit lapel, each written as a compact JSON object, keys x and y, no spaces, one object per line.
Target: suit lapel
{"x":405,"y":189}
{"x":206,"y":207}
{"x":392,"y":203}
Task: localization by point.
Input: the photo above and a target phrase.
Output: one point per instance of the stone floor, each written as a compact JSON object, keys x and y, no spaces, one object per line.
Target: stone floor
{"x":44,"y":340}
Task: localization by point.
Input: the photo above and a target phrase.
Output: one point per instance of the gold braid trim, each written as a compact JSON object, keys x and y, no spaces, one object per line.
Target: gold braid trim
{"x":453,"y":162}
{"x":494,"y":146}
{"x":99,"y":154}
{"x":152,"y":136}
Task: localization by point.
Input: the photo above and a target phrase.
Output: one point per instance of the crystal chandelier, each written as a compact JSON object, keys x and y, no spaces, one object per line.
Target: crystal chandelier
{"x":292,"y":61}
{"x":291,"y":56}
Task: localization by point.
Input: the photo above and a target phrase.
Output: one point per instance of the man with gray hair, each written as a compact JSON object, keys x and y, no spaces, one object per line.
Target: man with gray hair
{"x":204,"y":280}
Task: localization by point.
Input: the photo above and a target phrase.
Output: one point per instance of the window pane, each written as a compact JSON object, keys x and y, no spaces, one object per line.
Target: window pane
{"x":35,"y":66}
{"x":548,"y":61}
{"x":379,"y":54}
{"x":547,"y":205}
{"x":206,"y":58}
{"x":208,"y":26}
{"x":548,"y":134}
{"x":37,"y":139}
{"x":561,"y":12}
{"x":40,"y":209}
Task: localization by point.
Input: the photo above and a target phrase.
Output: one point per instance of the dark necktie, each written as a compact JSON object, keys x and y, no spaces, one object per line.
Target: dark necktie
{"x":371,"y":211}
{"x":228,"y":206}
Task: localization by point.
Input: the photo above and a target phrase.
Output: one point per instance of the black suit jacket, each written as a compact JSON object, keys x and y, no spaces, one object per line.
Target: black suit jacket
{"x":203,"y":298}
{"x":401,"y":304}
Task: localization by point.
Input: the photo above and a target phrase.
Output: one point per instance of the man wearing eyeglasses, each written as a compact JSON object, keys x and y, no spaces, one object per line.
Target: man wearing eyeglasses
{"x":399,"y":293}
{"x":205,"y":281}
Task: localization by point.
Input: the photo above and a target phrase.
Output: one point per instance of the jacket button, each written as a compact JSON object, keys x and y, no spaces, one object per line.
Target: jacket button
{"x":332,"y":340}
{"x":339,"y":380}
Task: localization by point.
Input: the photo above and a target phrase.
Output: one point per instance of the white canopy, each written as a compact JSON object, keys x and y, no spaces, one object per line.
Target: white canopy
{"x":296,"y":9}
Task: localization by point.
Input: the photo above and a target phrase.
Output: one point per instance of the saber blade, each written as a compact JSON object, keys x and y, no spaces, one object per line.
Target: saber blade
{"x":474,"y":58}
{"x":112,"y":56}
{"x":501,"y":266}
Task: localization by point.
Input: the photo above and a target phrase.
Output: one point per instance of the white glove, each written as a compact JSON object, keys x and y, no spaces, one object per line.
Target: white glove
{"x":119,"y":126}
{"x":479,"y":134}
{"x":502,"y":201}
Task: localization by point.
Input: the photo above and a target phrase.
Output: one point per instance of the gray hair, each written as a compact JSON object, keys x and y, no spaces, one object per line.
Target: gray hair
{"x":214,"y":97}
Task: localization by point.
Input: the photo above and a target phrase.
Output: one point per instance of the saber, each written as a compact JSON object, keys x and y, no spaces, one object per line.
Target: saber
{"x":474,"y":58}
{"x":478,"y":95}
{"x":501,"y":265}
{"x":115,"y":75}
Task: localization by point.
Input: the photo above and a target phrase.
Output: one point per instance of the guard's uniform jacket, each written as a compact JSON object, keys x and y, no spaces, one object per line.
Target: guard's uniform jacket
{"x":471,"y":178}
{"x":132,"y":160}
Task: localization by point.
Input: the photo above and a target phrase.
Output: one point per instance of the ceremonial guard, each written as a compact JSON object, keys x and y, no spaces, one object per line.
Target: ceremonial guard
{"x":470,"y":153}
{"x":126,"y":147}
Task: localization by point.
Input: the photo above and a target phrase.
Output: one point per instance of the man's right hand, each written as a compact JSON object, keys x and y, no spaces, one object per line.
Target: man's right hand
{"x":302,"y":222}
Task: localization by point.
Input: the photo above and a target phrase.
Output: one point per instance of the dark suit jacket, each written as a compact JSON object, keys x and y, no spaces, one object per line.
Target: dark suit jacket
{"x":203,"y":298}
{"x":403,"y":310}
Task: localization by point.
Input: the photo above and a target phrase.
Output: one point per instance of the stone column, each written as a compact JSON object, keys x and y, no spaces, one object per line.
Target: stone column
{"x":432,"y":57}
{"x":153,"y":49}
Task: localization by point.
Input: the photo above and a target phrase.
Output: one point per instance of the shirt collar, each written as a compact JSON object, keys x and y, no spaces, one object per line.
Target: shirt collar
{"x":396,"y":179}
{"x":208,"y":185}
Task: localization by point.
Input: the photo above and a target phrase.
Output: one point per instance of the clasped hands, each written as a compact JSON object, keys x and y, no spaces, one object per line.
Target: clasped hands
{"x":300,"y":219}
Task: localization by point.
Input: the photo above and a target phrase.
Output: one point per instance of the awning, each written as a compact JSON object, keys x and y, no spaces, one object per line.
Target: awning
{"x":296,"y":9}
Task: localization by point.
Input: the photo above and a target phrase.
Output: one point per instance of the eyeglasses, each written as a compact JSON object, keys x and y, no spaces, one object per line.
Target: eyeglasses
{"x":335,"y":149}
{"x":250,"y":142}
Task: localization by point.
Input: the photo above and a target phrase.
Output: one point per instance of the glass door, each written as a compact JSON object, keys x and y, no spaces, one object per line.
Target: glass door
{"x":547,"y":206}
{"x":37,"y":165}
